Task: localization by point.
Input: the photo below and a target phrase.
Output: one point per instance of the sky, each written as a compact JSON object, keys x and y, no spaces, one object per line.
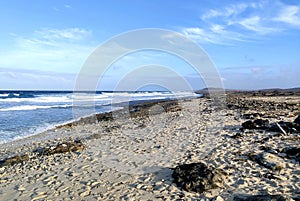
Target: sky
{"x":253,"y":44}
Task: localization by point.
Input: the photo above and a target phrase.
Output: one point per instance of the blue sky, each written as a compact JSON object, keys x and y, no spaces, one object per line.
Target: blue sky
{"x":253,"y":44}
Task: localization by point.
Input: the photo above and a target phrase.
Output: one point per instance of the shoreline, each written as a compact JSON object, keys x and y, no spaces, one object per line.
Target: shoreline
{"x":90,"y":119}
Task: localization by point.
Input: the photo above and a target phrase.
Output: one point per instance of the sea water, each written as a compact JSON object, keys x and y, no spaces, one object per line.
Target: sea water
{"x":24,"y":113}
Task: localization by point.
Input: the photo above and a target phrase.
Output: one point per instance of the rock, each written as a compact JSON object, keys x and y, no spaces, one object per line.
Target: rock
{"x":265,"y":197}
{"x":94,"y":136}
{"x":293,"y":153}
{"x":236,"y":136}
{"x":3,"y":181}
{"x":39,"y":197}
{"x":85,"y":193}
{"x":64,"y":147}
{"x":288,"y":127}
{"x":219,"y":198}
{"x":268,"y":160}
{"x":261,"y":123}
{"x":251,"y":115}
{"x":21,"y":188}
{"x":256,"y":124}
{"x":282,"y":126}
{"x":248,"y":125}
{"x":297,"y":120}
{"x":14,"y":160}
{"x":197,"y":177}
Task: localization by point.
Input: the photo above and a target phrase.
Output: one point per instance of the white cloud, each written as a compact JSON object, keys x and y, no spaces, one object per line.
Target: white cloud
{"x":231,"y":10}
{"x":216,"y":35}
{"x":216,"y":28}
{"x":247,"y":21}
{"x":255,"y":24}
{"x":289,"y":15}
{"x":226,"y":12}
{"x":200,"y":35}
{"x":61,"y":50}
{"x":62,"y":34}
{"x":67,"y":6}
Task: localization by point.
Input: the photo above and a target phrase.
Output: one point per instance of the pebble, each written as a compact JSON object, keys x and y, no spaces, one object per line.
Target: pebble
{"x":48,"y":183}
{"x":38,"y":197}
{"x":148,"y":179}
{"x":219,"y":198}
{"x":50,"y":178}
{"x":85,"y":193}
{"x":21,"y":188}
{"x":95,"y":183}
{"x":62,"y":188}
{"x":85,"y":166}
{"x":241,"y":184}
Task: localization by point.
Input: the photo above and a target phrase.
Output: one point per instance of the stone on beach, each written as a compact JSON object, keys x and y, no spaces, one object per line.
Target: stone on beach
{"x":256,"y":124}
{"x":197,"y":177}
{"x":297,"y":120}
{"x":267,"y":160}
{"x":14,"y":160}
{"x":293,"y":153}
{"x":281,"y":126}
{"x":64,"y":147}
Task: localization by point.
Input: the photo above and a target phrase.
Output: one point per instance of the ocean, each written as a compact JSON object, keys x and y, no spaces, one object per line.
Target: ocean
{"x":25,"y":113}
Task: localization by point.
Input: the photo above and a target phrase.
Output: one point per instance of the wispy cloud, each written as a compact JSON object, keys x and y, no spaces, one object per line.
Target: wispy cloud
{"x":245,"y":21}
{"x":67,"y":6}
{"x":229,"y":11}
{"x":202,"y":35}
{"x":62,"y":7}
{"x":62,"y":34}
{"x":62,"y":50}
{"x":256,"y":24}
{"x":289,"y":15}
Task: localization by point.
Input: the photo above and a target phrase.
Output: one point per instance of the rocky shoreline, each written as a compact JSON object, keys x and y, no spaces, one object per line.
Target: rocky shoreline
{"x":173,"y":150}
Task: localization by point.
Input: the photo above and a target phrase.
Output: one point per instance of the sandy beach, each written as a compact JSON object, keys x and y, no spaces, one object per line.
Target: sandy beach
{"x":133,"y":157}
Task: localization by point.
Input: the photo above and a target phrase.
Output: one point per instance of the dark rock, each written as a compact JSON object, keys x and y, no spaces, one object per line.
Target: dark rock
{"x":251,"y":115}
{"x":236,"y":136}
{"x":64,"y":147}
{"x":268,"y":160}
{"x":288,"y":127}
{"x":197,"y":177}
{"x":105,"y":116}
{"x":297,"y":120}
{"x":14,"y":160}
{"x":265,"y":197}
{"x":94,"y":136}
{"x":248,"y":125}
{"x":261,"y":123}
{"x":148,"y":108}
{"x":256,"y":124}
{"x":293,"y":153}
